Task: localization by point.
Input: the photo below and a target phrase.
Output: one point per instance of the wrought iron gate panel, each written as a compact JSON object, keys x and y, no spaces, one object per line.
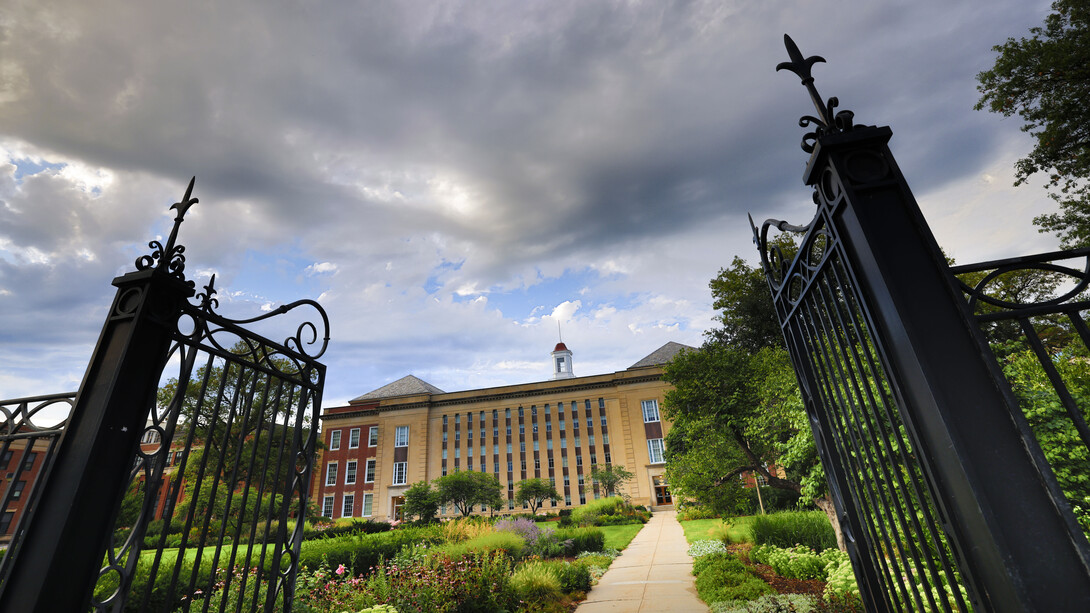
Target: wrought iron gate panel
{"x":29,"y":430}
{"x":239,"y":423}
{"x":946,"y":498}
{"x":185,"y":417}
{"x":1047,"y":326}
{"x":889,"y":517}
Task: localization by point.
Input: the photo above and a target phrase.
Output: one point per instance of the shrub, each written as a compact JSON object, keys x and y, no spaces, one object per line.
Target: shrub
{"x":507,"y":542}
{"x":778,"y":603}
{"x":360,"y":552}
{"x":722,"y":577}
{"x":588,"y":514}
{"x":477,"y":581}
{"x":572,"y":577}
{"x":583,"y":539}
{"x":810,"y":528}
{"x":696,"y":512}
{"x":840,"y":580}
{"x":703,"y":548}
{"x":536,"y":586}
{"x":524,"y":527}
{"x":799,"y":562}
{"x":465,"y":528}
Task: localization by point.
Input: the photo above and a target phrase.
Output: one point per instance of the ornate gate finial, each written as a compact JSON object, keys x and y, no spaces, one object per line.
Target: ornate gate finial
{"x":170,"y":258}
{"x":827,"y":122}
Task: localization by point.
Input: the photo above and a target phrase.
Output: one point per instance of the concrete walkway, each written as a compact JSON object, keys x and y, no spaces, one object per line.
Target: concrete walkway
{"x":653,"y":574}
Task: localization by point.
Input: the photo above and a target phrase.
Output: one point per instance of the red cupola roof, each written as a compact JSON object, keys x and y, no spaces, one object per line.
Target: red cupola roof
{"x":561,"y":347}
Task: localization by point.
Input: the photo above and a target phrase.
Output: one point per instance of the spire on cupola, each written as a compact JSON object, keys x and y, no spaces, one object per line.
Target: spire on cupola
{"x":562,"y":366}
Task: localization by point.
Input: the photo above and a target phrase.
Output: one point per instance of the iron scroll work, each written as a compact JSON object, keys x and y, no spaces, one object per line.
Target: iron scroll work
{"x":225,"y":461}
{"x":934,"y":393}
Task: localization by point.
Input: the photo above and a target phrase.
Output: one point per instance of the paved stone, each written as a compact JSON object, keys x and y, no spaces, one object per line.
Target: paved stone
{"x":654,"y":573}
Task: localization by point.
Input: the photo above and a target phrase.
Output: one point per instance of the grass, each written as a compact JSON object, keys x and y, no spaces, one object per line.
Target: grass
{"x":737,"y":529}
{"x":618,"y":537}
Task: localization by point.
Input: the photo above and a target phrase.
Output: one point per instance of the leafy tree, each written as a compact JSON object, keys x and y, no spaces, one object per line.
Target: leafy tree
{"x":464,"y":489}
{"x":735,"y":405}
{"x":1045,"y":79}
{"x":535,"y":492}
{"x":421,"y":501}
{"x":609,"y":477}
{"x":741,"y":296}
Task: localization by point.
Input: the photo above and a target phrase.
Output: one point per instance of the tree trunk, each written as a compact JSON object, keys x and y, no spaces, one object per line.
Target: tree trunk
{"x":825,"y":503}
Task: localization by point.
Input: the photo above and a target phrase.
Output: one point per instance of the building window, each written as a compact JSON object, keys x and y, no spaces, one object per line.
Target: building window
{"x":350,"y":473}
{"x":369,"y":472}
{"x":650,"y":411}
{"x":401,"y":436}
{"x":349,"y":502}
{"x":151,"y":436}
{"x":353,"y":438}
{"x":327,"y":507}
{"x":563,"y":443}
{"x":400,"y":470}
{"x":567,"y":499}
{"x":368,"y":501}
{"x":522,"y":446}
{"x":522,"y":430}
{"x":537,"y":445}
{"x":654,"y":450}
{"x":444,"y":453}
{"x":331,"y":474}
{"x":17,"y":490}
{"x":549,"y":444}
{"x":334,"y":440}
{"x":603,"y":421}
{"x":457,"y":452}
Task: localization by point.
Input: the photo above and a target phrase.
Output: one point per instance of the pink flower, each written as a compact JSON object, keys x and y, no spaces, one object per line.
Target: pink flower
{"x":340,"y":569}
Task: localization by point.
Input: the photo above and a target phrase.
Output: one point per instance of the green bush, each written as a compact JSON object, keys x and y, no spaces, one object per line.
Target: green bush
{"x":722,"y":577}
{"x":587,"y":515}
{"x":840,"y":580}
{"x":810,"y":528}
{"x":572,"y":577}
{"x":799,"y":562}
{"x":583,"y":539}
{"x":536,"y":585}
{"x":689,"y":512}
{"x":507,"y":542}
{"x":360,"y":552}
{"x":772,"y":603}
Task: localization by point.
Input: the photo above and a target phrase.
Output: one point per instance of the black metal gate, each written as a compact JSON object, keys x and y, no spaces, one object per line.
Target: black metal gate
{"x":189,"y":427}
{"x":947,"y":499}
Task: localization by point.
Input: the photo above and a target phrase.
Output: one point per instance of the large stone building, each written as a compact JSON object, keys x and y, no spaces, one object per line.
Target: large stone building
{"x":410,"y":430}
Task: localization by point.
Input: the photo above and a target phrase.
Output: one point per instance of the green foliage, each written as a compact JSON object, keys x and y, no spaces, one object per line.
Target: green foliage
{"x":476,"y":582}
{"x":464,"y":489}
{"x":1052,"y":425}
{"x":799,"y":562}
{"x":771,"y":603}
{"x":741,"y":296}
{"x":343,"y":528}
{"x":1044,"y":80}
{"x":536,"y":586}
{"x":721,"y":577}
{"x":610,"y":478}
{"x":840,"y":581}
{"x":735,"y":411}
{"x":509,"y":543}
{"x":692,"y":511}
{"x":534,"y":492}
{"x":703,"y":548}
{"x":360,"y":552}
{"x":810,"y":528}
{"x":583,"y":539}
{"x":420,"y":501}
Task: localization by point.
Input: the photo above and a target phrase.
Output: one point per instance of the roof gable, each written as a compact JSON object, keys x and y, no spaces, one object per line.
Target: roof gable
{"x":661,"y":355}
{"x":408,"y":385}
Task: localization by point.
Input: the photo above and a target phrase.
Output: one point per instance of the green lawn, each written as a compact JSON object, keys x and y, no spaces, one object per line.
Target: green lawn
{"x":701,"y":529}
{"x":618,"y":537}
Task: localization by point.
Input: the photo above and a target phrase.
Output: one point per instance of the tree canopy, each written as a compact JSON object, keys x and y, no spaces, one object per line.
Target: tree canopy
{"x":420,"y":501}
{"x":464,"y":489}
{"x":610,"y":477}
{"x":1045,"y":80}
{"x":535,"y":492}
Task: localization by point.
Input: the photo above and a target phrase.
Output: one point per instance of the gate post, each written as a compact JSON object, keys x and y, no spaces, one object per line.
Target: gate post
{"x":61,"y":554}
{"x":1016,"y":548}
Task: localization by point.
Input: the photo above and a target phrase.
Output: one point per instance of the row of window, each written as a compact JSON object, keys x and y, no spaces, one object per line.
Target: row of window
{"x":348,"y":505}
{"x":401,"y":438}
{"x":349,"y":472}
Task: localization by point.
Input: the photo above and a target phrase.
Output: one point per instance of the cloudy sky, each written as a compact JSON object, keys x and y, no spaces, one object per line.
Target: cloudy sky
{"x":452,"y":179}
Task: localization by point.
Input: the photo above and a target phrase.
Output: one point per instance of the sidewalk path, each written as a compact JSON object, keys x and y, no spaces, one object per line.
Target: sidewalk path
{"x":652,"y":574}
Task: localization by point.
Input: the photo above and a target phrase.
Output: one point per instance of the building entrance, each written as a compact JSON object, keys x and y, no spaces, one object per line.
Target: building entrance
{"x":398,"y":502}
{"x":662,"y":492}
